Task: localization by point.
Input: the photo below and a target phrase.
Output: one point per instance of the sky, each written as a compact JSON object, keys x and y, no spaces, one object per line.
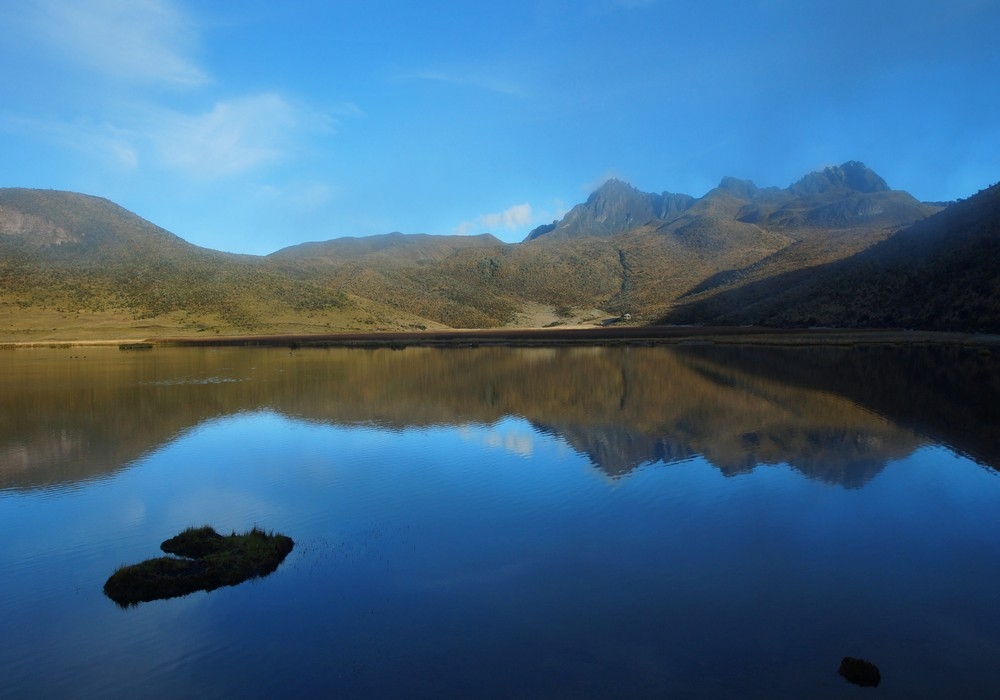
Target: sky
{"x":253,"y":125}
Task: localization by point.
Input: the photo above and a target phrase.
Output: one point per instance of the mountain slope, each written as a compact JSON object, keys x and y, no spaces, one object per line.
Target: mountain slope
{"x":939,"y":273}
{"x":687,"y":248}
{"x":81,"y":228}
{"x":414,"y":247}
{"x":82,"y":262}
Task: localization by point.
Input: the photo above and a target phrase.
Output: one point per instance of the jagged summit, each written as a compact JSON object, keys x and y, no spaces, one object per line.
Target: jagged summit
{"x":843,"y":196}
{"x":744,"y":189}
{"x":852,"y":175}
{"x":611,"y":188}
{"x":614,"y":207}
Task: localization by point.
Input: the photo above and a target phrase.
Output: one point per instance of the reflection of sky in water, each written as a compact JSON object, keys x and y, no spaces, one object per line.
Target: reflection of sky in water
{"x":493,"y":560}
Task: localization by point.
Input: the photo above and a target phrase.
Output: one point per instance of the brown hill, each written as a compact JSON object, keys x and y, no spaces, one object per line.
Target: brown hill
{"x":414,"y":247}
{"x":73,"y":265}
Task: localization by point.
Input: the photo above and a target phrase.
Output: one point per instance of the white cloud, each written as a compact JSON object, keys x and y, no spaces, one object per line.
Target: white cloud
{"x":233,"y":137}
{"x":147,"y":41}
{"x":509,"y":219}
{"x":513,"y":217}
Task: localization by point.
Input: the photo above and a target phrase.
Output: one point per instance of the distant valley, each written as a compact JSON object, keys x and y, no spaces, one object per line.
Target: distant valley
{"x":838,"y":248}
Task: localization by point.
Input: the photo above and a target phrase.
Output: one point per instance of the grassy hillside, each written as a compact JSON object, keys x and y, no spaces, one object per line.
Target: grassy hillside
{"x":82,"y":266}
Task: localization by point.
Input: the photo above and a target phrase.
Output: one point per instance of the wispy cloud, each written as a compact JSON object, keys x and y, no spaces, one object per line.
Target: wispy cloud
{"x":145,"y":41}
{"x":510,"y":219}
{"x":231,"y":138}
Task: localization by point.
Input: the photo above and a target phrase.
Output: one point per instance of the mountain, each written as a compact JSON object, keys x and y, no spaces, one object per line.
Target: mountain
{"x":939,"y":273}
{"x":77,"y":266}
{"x":81,"y":266}
{"x":615,"y":207}
{"x":675,"y":248}
{"x":852,"y":175}
{"x":843,"y":196}
{"x":81,"y":228}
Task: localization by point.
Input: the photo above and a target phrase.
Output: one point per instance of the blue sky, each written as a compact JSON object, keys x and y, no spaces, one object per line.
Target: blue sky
{"x":248,"y":126}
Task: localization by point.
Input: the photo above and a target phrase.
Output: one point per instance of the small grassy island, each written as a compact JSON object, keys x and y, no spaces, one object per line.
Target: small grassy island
{"x":204,"y":560}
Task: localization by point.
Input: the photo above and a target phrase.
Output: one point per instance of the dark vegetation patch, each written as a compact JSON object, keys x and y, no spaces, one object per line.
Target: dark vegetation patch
{"x":204,"y":560}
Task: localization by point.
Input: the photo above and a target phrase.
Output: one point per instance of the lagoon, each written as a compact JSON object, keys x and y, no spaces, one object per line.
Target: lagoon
{"x":685,"y":521}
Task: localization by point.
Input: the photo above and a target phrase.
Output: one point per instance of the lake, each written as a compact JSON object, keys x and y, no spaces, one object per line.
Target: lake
{"x":631,"y":522}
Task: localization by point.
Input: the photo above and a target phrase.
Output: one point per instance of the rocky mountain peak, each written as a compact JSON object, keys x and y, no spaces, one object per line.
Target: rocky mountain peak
{"x":613,"y":208}
{"x":613,"y":188}
{"x":852,"y":175}
{"x":844,"y":195}
{"x":743,"y":189}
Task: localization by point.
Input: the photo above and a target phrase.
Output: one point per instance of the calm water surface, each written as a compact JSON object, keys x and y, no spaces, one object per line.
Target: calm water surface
{"x":629,"y":522}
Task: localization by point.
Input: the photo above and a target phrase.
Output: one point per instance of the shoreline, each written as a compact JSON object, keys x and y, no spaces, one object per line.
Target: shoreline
{"x":546,"y":337}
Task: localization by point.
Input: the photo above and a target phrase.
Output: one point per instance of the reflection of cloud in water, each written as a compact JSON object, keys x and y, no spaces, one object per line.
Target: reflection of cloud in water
{"x":512,"y":439}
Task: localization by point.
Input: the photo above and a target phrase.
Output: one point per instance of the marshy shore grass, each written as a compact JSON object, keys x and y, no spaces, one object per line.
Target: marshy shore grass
{"x":596,"y":336}
{"x":203,"y":561}
{"x":555,"y":337}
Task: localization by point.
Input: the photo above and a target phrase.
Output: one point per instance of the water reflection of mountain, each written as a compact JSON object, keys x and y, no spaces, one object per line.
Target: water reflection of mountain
{"x":850,"y":458}
{"x":617,"y":451}
{"x":834,"y":414}
{"x":947,"y":393}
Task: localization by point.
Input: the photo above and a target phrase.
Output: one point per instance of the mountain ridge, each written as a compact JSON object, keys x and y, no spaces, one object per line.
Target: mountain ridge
{"x":815,"y":199}
{"x":76,"y":264}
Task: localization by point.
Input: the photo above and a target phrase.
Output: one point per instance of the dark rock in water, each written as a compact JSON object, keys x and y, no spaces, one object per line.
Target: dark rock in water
{"x":860,"y":672}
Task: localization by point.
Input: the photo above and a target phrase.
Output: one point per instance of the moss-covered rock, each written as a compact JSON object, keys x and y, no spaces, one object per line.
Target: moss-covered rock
{"x":204,"y":560}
